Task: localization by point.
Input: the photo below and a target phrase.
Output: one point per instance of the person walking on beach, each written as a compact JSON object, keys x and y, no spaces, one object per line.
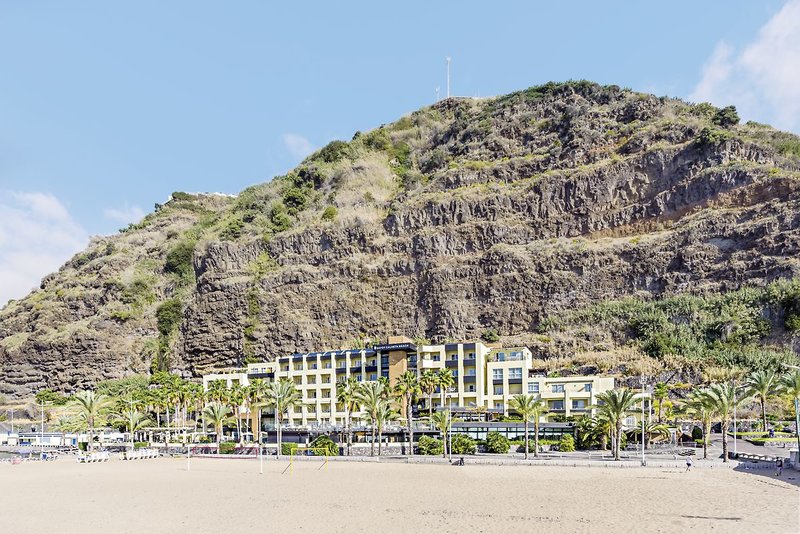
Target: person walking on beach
{"x":778,"y":466}
{"x":688,"y":463}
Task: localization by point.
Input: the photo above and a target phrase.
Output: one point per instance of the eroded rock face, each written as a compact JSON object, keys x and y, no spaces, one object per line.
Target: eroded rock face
{"x":528,"y":207}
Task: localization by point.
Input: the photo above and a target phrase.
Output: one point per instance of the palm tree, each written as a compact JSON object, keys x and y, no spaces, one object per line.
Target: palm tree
{"x":790,"y":385}
{"x":443,"y":421}
{"x":218,"y":414}
{"x":427,"y":382}
{"x":408,"y":388}
{"x":282,"y":395}
{"x":370,"y":395}
{"x":383,"y":415}
{"x":530,"y":409}
{"x":762,"y":384}
{"x":445,"y":380}
{"x":699,"y":406}
{"x":346,"y":396}
{"x":236,"y":397}
{"x":255,"y":394}
{"x":91,"y":408}
{"x":132,"y":420}
{"x":660,"y":394}
{"x":654,"y":430}
{"x":722,"y":400}
{"x":614,"y":406}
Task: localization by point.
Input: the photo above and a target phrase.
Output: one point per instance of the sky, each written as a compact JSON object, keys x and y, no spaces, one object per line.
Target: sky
{"x":105,"y":108}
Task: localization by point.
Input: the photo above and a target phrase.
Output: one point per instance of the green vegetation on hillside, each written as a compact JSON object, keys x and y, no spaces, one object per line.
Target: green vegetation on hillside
{"x":729,"y":329}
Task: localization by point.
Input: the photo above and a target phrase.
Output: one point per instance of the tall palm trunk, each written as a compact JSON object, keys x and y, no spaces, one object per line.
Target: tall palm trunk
{"x":618,"y":436}
{"x":372,"y":444}
{"x":380,"y":439}
{"x":278,"y":420}
{"x":430,"y":404}
{"x":536,"y":438}
{"x":725,"y":440}
{"x":526,"y":439}
{"x":706,"y":432}
{"x":348,"y":430}
{"x":409,"y":415}
{"x":764,"y":412}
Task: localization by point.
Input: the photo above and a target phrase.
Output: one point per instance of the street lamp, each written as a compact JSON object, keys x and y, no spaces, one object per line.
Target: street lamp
{"x":643,"y":382}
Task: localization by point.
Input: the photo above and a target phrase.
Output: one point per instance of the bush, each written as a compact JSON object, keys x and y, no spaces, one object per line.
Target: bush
{"x":330,"y":213}
{"x":140,"y":444}
{"x":50,"y":397}
{"x":496,"y":443}
{"x":168,"y":316}
{"x":697,"y":433}
{"x":326,"y":443}
{"x":490,"y":335}
{"x":712,"y":137}
{"x":227,"y":447}
{"x":295,"y":199}
{"x":566,"y":443}
{"x":233,"y":230}
{"x":726,"y":117}
{"x":279,"y":218}
{"x":179,"y":259}
{"x":179,"y":195}
{"x":288,"y":448}
{"x":333,"y":152}
{"x":463,"y":444}
{"x":430,"y":446}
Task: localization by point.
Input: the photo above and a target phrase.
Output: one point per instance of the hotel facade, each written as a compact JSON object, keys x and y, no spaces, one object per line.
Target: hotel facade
{"x":485,"y":377}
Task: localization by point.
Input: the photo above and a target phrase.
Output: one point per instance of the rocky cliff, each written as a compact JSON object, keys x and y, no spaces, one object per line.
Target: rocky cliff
{"x":463,"y":218}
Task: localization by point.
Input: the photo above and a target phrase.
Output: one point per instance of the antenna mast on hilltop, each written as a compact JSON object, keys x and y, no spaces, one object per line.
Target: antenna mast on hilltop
{"x":448,"y":77}
{"x":437,"y":93}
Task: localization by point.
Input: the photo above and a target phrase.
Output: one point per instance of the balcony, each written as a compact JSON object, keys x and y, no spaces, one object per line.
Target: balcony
{"x":470,"y":379}
{"x":515,"y":381}
{"x":341,"y":370}
{"x":497,"y":381}
{"x":371,"y":368}
{"x":355,"y":369}
{"x":451,"y":363}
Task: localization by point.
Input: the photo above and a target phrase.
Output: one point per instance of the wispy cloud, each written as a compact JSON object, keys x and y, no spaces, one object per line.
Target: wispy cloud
{"x":763,"y":79}
{"x":126,"y":214}
{"x":37,"y":235}
{"x":297,"y":145}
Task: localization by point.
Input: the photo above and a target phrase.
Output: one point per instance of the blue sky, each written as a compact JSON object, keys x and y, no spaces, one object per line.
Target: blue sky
{"x":105,"y":110}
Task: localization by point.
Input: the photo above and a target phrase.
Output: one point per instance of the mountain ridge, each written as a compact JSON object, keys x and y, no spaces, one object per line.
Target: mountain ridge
{"x":467,"y":216}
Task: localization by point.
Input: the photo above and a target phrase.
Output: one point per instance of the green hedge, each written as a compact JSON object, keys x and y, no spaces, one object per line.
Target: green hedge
{"x":463,"y":444}
{"x":430,"y":446}
{"x":227,"y":447}
{"x":326,"y":443}
{"x":497,"y":443}
{"x":288,"y":448}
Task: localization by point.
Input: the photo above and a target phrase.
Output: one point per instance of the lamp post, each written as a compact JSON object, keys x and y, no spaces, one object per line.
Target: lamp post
{"x":643,"y":382}
{"x":735,"y":440}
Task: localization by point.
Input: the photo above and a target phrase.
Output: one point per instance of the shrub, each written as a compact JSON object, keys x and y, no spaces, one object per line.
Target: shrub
{"x":496,"y":443}
{"x":790,"y":147}
{"x":566,"y":443}
{"x":326,"y":443}
{"x":179,"y":258}
{"x":430,"y":446}
{"x":463,"y":444}
{"x":168,"y":316}
{"x":227,"y":447}
{"x":697,"y":433}
{"x":710,"y":137}
{"x":490,"y":335}
{"x":279,"y":218}
{"x":288,"y":448}
{"x":333,"y":152}
{"x":295,"y":199}
{"x":48,"y":396}
{"x":726,"y":117}
{"x":140,"y":444}
{"x":330,"y":213}
{"x":179,"y":195}
{"x":233,"y":230}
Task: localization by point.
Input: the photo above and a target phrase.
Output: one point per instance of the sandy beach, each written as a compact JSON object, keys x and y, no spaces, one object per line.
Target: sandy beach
{"x":230,"y":495}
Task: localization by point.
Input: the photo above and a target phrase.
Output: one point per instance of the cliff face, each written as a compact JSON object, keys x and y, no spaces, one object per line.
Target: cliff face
{"x":465,"y":216}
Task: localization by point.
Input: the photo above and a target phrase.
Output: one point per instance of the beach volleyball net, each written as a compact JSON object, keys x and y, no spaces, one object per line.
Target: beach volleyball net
{"x":320,"y":453}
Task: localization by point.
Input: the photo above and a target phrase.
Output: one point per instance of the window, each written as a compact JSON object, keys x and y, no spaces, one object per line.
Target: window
{"x":373,"y":376}
{"x":326,"y":379}
{"x":497,"y":374}
{"x":358,"y":378}
{"x":341,"y":364}
{"x":515,"y":373}
{"x":327,"y":365}
{"x":312,"y":379}
{"x":373,"y":362}
{"x":384,"y":360}
{"x":454,"y":357}
{"x":412,"y":360}
{"x":436,"y":357}
{"x":630,"y":421}
{"x":471,"y":356}
{"x":578,"y":404}
{"x":312,"y":365}
{"x":587,"y":387}
{"x":455,"y":373}
{"x":533,"y":387}
{"x":501,"y":356}
{"x":471,"y":371}
{"x":471,"y":387}
{"x":557,"y":388}
{"x":498,"y":390}
{"x":557,"y":405}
